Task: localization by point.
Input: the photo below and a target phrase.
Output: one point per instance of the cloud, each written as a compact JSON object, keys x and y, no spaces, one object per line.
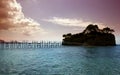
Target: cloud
{"x":71,"y":22}
{"x":34,"y":0}
{"x":13,"y":19}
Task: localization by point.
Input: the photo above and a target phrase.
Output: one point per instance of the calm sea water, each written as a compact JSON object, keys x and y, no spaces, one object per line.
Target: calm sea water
{"x":65,"y":60}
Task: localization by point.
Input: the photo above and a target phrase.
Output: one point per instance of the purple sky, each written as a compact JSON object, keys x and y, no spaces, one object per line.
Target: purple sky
{"x":101,"y":11}
{"x":105,"y":11}
{"x":57,"y":17}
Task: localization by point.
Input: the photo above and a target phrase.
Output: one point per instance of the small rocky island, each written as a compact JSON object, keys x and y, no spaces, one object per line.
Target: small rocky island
{"x":91,"y":36}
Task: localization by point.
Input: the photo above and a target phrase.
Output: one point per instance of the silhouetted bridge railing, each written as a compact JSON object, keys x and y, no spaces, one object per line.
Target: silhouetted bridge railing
{"x":32,"y":45}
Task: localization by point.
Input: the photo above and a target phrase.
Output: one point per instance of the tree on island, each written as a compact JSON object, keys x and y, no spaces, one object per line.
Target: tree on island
{"x":107,"y":30}
{"x":91,"y":29}
{"x":92,"y":35}
{"x":94,"y":29}
{"x":67,"y":35}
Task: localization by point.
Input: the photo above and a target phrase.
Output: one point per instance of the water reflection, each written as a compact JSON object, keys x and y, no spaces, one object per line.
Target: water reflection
{"x":110,"y":52}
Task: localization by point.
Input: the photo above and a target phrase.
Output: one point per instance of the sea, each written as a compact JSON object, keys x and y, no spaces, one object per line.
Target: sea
{"x":63,"y":60}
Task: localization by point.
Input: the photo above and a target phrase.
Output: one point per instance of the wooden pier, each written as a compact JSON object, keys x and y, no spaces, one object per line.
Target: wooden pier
{"x":28,"y":45}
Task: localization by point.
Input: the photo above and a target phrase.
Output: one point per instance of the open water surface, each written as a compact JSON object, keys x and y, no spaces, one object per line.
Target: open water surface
{"x":65,"y":60}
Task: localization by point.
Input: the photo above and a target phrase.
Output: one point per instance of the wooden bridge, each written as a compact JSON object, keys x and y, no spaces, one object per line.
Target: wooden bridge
{"x":32,"y":45}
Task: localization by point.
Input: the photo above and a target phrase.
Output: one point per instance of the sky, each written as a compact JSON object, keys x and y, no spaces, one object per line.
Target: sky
{"x":50,"y":19}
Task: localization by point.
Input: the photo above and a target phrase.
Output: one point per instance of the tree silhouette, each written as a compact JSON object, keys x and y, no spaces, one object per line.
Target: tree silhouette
{"x":64,"y":35}
{"x":67,"y":35}
{"x":91,"y":28}
{"x":107,"y":30}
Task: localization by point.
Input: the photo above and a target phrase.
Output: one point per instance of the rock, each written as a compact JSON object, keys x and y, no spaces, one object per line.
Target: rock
{"x":91,"y":36}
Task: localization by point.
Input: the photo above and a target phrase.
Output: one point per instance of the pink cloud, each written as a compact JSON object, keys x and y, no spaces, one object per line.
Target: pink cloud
{"x":12,"y":19}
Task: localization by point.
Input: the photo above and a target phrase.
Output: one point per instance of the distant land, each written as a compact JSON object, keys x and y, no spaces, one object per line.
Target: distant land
{"x":91,"y":36}
{"x":2,"y":41}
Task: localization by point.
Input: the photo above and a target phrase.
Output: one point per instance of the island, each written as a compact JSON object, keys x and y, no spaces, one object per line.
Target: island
{"x":91,"y":36}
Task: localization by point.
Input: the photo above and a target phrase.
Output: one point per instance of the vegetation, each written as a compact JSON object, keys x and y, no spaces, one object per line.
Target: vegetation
{"x":92,"y":35}
{"x":107,"y":30}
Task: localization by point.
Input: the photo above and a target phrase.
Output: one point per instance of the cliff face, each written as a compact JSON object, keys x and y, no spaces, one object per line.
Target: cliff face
{"x":100,"y":40}
{"x":92,"y":35}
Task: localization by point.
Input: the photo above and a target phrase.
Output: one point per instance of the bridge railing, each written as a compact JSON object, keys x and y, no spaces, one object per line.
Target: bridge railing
{"x":21,"y":45}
